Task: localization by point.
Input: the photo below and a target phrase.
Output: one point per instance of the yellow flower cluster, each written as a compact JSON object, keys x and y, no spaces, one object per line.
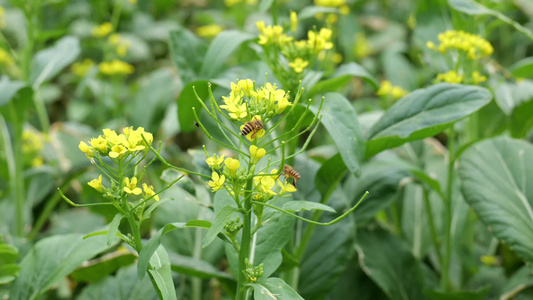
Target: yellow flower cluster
{"x":272,"y":35}
{"x":478,"y":78}
{"x":266,"y":186}
{"x":387,"y":89}
{"x":81,"y":68}
{"x":209,"y":31}
{"x":32,"y":144}
{"x":102,"y":30}
{"x":450,"y":77}
{"x":473,"y":45}
{"x":332,"y":18}
{"x":117,"y":145}
{"x":231,"y":3}
{"x":116,"y":67}
{"x":318,"y":41}
{"x":298,"y":65}
{"x":230,"y":169}
{"x":263,"y":102}
{"x":5,"y":58}
{"x":129,"y":187}
{"x":120,"y":44}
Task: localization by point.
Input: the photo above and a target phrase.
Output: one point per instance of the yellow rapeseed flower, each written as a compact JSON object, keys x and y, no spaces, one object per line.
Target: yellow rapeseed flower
{"x":149,"y":192}
{"x":318,"y":41}
{"x":387,"y":89}
{"x":215,"y":161}
{"x":286,"y":188}
{"x":97,"y":184}
{"x":330,"y":3}
{"x":102,"y":30}
{"x":272,"y":35}
{"x":298,"y":65}
{"x":232,"y":164}
{"x":117,"y":151}
{"x":450,"y":77}
{"x":478,"y":78}
{"x":294,"y":21}
{"x":473,"y":45}
{"x":86,"y":149}
{"x":81,"y":68}
{"x":217,"y":182}
{"x":209,"y":31}
{"x":116,"y":67}
{"x":130,"y":186}
{"x":256,"y":153}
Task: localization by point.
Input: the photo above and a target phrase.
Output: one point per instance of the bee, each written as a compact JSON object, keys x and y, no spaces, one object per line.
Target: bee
{"x":252,"y":126}
{"x":290,"y":172}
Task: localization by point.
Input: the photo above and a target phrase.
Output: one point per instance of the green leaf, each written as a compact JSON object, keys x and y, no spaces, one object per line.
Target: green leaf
{"x":187,"y":100}
{"x":340,"y":119}
{"x":274,"y":288}
{"x":509,"y":95}
{"x":478,"y":294}
{"x":19,"y":94}
{"x":187,"y":53}
{"x":8,"y":258}
{"x":113,"y":228}
{"x":523,"y":68}
{"x":265,"y":5}
{"x":103,"y":266}
{"x":10,"y":89}
{"x":161,"y":274}
{"x":196,"y":267}
{"x":296,"y":206}
{"x":151,"y":246}
{"x":495,"y":175}
{"x":330,"y":174}
{"x":50,"y":260}
{"x":221,"y":218}
{"x":387,"y":260}
{"x":471,"y":7}
{"x":124,"y":286}
{"x":220,"y":50}
{"x":49,"y":62}
{"x":424,"y":113}
{"x":325,"y":258}
{"x":340,"y":78}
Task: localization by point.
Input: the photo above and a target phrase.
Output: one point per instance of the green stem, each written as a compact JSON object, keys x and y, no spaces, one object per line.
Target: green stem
{"x":17,"y":180}
{"x":445,"y":280}
{"x":246,"y":235}
{"x":136,"y":232}
{"x":432,"y":227}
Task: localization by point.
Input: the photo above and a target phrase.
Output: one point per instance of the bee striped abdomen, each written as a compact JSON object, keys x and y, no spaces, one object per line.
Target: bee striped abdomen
{"x":252,"y":126}
{"x":290,"y":172}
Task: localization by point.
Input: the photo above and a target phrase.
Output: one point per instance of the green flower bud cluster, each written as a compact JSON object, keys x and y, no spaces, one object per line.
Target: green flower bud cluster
{"x":251,"y":272}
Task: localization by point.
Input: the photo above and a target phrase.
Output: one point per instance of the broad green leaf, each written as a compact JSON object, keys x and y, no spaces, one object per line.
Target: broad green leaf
{"x":19,"y":94}
{"x":521,"y":279}
{"x":220,"y":50}
{"x":10,"y":89}
{"x":123,"y":286}
{"x":221,"y":218}
{"x":325,"y":258}
{"x":196,"y":267}
{"x":50,"y":260}
{"x":478,"y":294}
{"x":265,"y":5}
{"x":521,"y":120}
{"x":523,"y":68}
{"x":296,"y":206}
{"x":49,"y":62}
{"x":340,"y":119}
{"x":187,"y":100}
{"x":274,"y":288}
{"x":113,"y":228}
{"x":161,"y":274}
{"x":471,"y":7}
{"x":387,"y":260}
{"x":509,"y":95}
{"x":495,"y":175}
{"x":152,"y":245}
{"x":341,"y":77}
{"x":161,"y":88}
{"x":8,"y":258}
{"x":424,"y":113}
{"x":187,"y":53}
{"x":330,"y":174}
{"x":100,"y":267}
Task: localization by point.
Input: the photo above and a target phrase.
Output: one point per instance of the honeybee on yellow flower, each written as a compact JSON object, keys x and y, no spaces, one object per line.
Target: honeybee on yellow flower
{"x":252,"y":126}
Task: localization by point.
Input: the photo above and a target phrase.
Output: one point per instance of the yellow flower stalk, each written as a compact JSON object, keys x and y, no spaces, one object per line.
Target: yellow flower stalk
{"x":294,"y":21}
{"x":130,"y":186}
{"x":217,"y":182}
{"x":97,"y":184}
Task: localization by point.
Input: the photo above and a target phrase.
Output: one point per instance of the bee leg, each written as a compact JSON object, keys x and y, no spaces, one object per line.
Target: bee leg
{"x":294,"y":182}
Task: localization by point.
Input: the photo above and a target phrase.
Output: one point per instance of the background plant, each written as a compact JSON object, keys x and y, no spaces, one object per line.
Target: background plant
{"x":444,"y":157}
